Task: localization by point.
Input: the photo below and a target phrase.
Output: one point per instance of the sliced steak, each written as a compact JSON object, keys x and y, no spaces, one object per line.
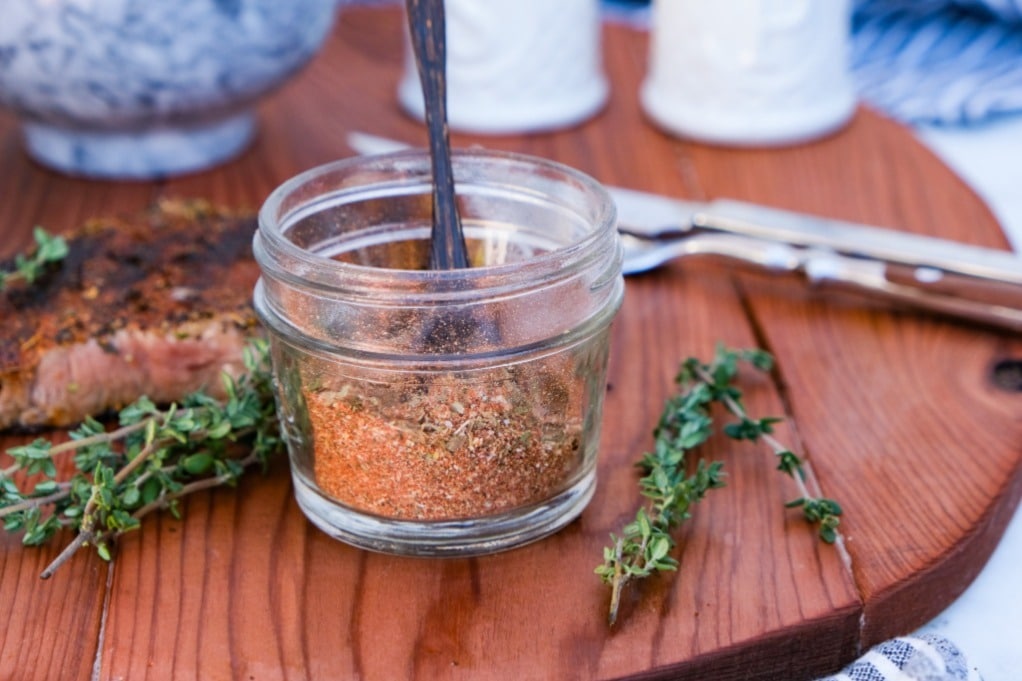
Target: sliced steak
{"x":157,"y":304}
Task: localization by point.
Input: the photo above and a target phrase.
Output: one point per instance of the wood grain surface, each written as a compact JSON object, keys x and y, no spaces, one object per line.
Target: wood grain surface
{"x":897,"y":413}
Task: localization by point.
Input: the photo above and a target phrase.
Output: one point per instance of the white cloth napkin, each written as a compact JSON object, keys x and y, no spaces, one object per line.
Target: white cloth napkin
{"x":924,"y":657}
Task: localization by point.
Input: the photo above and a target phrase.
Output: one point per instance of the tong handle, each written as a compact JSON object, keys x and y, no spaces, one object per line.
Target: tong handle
{"x":862,"y":241}
{"x":977,"y":300}
{"x":979,"y":284}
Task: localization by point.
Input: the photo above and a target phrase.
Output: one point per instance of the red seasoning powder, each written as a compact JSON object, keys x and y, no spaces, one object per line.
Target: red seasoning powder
{"x":447,"y":448}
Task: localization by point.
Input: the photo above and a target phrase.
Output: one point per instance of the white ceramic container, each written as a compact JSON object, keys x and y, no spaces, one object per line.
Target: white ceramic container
{"x":516,"y":65}
{"x":749,"y":72}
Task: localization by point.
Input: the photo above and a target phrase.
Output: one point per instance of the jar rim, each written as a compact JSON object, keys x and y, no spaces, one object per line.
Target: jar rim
{"x":325,"y":271}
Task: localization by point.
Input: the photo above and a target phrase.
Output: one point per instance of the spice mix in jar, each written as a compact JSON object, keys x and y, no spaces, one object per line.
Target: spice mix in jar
{"x":440,"y":412}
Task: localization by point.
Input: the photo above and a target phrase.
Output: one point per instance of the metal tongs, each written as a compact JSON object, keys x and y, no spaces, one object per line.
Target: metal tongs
{"x":967,"y":282}
{"x":978,"y":284}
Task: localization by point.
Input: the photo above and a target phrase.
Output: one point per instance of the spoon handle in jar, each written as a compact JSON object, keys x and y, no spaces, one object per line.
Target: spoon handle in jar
{"x":426,"y":26}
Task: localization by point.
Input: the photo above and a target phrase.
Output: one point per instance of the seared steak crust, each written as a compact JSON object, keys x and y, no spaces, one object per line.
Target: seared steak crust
{"x":155,"y":304}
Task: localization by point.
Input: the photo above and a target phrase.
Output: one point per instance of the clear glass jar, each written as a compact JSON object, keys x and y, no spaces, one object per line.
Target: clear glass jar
{"x":434,"y":412}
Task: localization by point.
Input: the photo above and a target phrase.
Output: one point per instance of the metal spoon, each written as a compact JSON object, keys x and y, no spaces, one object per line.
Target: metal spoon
{"x":643,"y":253}
{"x":426,"y":25}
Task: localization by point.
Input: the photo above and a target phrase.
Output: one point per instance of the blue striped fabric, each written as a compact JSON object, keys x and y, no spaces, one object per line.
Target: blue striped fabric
{"x":939,"y":61}
{"x":926,"y":657}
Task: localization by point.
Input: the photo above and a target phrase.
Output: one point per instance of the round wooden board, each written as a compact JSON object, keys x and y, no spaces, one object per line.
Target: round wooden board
{"x":897,"y":413}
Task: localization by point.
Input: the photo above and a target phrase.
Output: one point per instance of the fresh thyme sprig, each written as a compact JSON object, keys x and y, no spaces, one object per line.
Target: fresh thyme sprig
{"x":27,"y":268}
{"x":644,"y":545}
{"x":155,"y":457}
{"x":719,"y":376}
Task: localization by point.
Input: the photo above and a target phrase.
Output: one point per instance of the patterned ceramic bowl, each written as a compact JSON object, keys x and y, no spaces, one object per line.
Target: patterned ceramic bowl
{"x":148,"y":88}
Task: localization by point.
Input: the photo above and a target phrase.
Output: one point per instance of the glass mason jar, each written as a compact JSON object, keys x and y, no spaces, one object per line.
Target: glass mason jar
{"x":429,"y":412}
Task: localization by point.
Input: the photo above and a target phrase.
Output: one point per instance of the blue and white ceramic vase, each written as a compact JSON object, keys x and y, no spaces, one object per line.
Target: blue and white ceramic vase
{"x":143,"y":89}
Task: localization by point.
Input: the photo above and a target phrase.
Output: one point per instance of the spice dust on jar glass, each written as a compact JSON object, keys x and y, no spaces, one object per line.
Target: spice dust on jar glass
{"x":440,"y":412}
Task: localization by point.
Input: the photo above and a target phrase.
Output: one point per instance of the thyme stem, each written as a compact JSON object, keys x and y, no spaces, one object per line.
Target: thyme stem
{"x":35,"y":502}
{"x":98,"y":438}
{"x":197,"y":486}
{"x":80,"y":540}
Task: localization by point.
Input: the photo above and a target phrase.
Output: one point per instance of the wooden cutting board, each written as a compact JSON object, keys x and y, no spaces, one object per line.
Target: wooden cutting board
{"x":898,"y":413}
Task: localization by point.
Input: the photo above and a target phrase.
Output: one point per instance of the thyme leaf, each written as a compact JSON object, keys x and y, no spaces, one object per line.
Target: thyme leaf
{"x":49,"y":249}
